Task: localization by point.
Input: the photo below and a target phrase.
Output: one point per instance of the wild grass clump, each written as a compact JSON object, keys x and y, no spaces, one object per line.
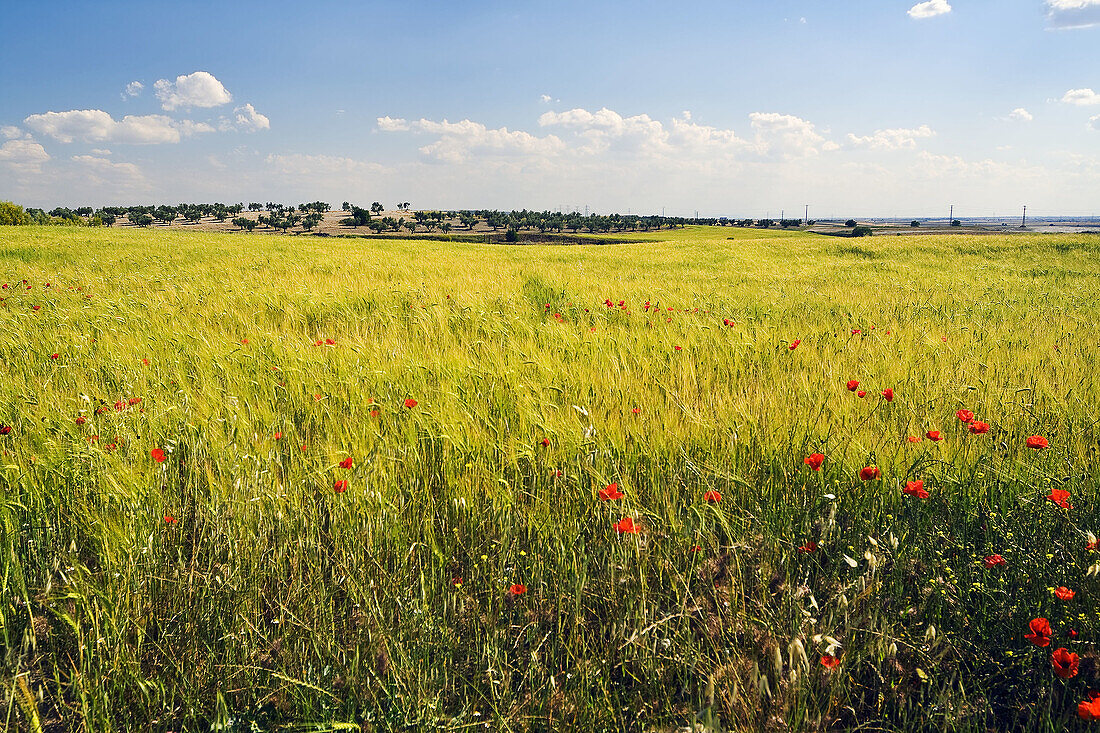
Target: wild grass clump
{"x":388,"y":485}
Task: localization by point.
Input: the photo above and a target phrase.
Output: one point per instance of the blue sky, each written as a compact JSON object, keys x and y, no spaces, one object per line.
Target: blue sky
{"x":868,"y":107}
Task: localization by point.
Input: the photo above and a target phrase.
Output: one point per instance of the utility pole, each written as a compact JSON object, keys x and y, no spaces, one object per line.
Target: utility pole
{"x":1023,"y":222}
{"x":806,"y":220}
{"x":951,"y":216}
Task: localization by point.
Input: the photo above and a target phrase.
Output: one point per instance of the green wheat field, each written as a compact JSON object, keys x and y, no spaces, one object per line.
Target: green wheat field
{"x":185,"y":546}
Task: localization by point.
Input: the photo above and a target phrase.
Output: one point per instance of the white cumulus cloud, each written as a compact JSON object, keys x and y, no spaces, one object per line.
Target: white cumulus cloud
{"x":249,"y":120}
{"x":891,"y":138}
{"x":199,"y":89}
{"x":1020,"y":114}
{"x":95,"y":125}
{"x":1081,"y":97}
{"x":1094,"y":122}
{"x":132,"y":89}
{"x":10,"y":132}
{"x":392,"y":124}
{"x":1073,"y":13}
{"x":929,"y":9}
{"x":25,"y":156}
{"x":458,"y":141}
{"x":787,"y":136}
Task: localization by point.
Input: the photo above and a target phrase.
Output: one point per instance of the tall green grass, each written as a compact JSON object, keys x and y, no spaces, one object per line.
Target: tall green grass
{"x":231,"y":587}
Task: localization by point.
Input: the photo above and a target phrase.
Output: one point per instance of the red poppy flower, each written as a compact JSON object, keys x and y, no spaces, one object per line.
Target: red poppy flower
{"x":456,"y":581}
{"x":410,"y":403}
{"x":869,"y":473}
{"x":888,"y":394}
{"x":978,"y":427}
{"x":278,"y":436}
{"x":626,"y":525}
{"x":1037,"y":442}
{"x":814,"y":461}
{"x":636,"y":410}
{"x":340,"y":486}
{"x":853,"y":385}
{"x":1089,"y":710}
{"x":169,"y":519}
{"x":964,"y":415}
{"x":1062,"y":593}
{"x":346,"y":463}
{"x":861,"y":393}
{"x":809,"y":547}
{"x":1040,"y":632}
{"x":1064,"y":663}
{"x":712,"y":497}
{"x":545,"y":442}
{"x":37,"y":306}
{"x":610,"y":493}
{"x":55,"y":356}
{"x":678,"y":348}
{"x":517,"y":589}
{"x":856,"y":331}
{"x":374,"y":413}
{"x":305,"y":447}
{"x":1059,"y":497}
{"x":330,"y":342}
{"x":794,"y":344}
{"x":915,"y":488}
{"x":1072,"y":633}
{"x":914,"y":438}
{"x":828,"y":661}
{"x":158,"y":455}
{"x":992,"y":561}
{"x":1092,"y":544}
{"x":318,"y":342}
{"x":81,"y":420}
{"x":934,"y":435}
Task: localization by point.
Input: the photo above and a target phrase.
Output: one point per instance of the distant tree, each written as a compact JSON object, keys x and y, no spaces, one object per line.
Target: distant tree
{"x":468,"y":218}
{"x":914,"y":223}
{"x":862,"y":231}
{"x":404,"y":205}
{"x":956,"y":223}
{"x":445,"y":227}
{"x":378,"y":225}
{"x":359,"y":217}
{"x":310,"y":221}
{"x":142,"y":220}
{"x":391,"y":223}
{"x":107,"y":217}
{"x":244,"y":223}
{"x":410,"y":225}
{"x":84,"y":211}
{"x":511,"y":235}
{"x":12,"y":214}
{"x":255,"y":207}
{"x":345,"y":206}
{"x":764,"y":223}
{"x":850,"y":223}
{"x":377,"y":208}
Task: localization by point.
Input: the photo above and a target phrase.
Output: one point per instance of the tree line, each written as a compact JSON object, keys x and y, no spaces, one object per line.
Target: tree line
{"x":308,"y":216}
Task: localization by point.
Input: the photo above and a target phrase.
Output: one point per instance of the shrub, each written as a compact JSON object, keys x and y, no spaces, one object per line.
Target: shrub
{"x":850,"y":223}
{"x":914,"y":223}
{"x":861,"y":231}
{"x":13,"y":214}
{"x":511,"y":235}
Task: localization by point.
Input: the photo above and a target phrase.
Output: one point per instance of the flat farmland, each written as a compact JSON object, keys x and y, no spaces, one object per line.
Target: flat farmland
{"x":740,"y":479}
